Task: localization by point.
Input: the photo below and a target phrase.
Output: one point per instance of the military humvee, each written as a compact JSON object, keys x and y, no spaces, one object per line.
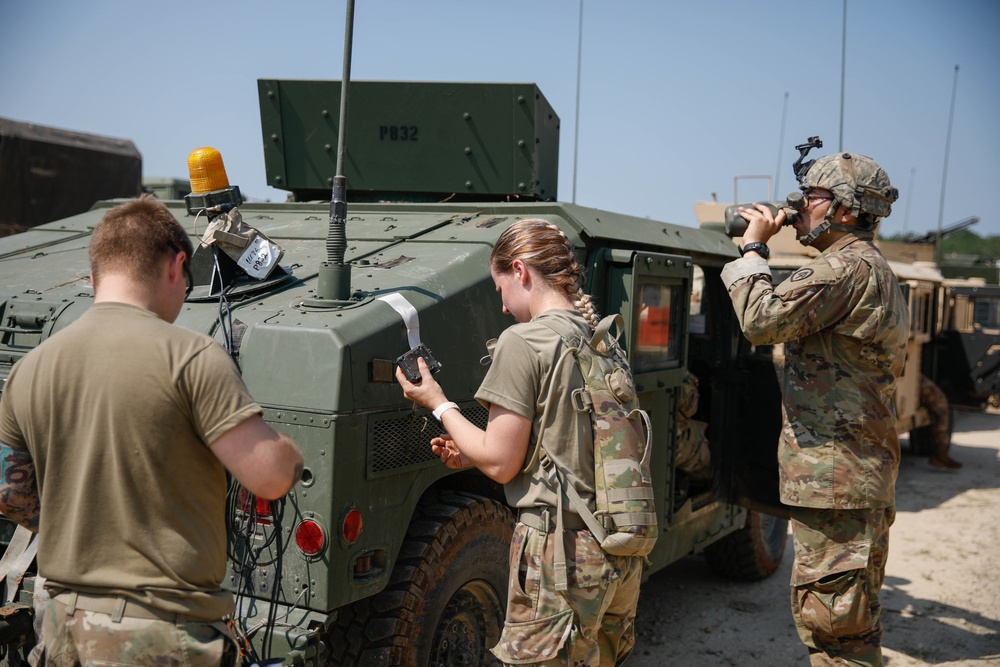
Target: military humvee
{"x":960,"y":319}
{"x":966,"y":352}
{"x":381,"y":555}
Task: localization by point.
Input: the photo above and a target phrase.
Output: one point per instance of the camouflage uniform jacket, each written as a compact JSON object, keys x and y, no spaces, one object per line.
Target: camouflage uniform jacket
{"x":844,"y":323}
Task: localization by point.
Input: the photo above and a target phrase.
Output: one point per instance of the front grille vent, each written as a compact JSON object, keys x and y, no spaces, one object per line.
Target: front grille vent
{"x":398,"y":441}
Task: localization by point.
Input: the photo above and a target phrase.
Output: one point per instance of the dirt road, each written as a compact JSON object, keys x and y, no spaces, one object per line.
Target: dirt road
{"x":941,"y":593}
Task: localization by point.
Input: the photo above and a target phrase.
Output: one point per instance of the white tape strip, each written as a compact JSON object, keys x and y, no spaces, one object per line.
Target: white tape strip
{"x":408,"y":313}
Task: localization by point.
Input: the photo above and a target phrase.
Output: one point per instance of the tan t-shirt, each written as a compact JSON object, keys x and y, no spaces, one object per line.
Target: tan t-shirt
{"x":519,"y":379}
{"x":118,"y":411}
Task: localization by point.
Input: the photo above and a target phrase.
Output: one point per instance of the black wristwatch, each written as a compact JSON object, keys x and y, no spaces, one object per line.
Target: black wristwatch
{"x":758,"y":247}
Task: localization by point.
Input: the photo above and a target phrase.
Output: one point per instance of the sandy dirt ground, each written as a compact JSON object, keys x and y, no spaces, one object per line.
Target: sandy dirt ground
{"x":941,"y":596}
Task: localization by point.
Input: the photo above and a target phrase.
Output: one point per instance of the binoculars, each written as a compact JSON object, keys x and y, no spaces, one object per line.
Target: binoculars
{"x":736,"y":225}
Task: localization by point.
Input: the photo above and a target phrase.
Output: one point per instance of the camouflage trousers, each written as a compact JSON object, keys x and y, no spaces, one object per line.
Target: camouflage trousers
{"x":95,"y":638}
{"x":839,"y":566}
{"x":936,"y":403}
{"x":589,"y":624}
{"x":693,"y":455}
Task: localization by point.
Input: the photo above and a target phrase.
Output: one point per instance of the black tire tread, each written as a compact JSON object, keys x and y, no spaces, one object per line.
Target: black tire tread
{"x":922,"y":441}
{"x":743,"y":555}
{"x":377,"y":631}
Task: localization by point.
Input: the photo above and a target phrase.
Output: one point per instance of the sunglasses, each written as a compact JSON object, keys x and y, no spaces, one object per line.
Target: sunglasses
{"x":809,"y":199}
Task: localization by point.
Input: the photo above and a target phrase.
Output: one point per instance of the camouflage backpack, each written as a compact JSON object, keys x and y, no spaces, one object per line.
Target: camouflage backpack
{"x":625,"y":520}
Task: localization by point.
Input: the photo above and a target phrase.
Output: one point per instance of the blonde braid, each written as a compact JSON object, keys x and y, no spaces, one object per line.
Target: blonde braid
{"x":585,"y":305}
{"x":544,"y":247}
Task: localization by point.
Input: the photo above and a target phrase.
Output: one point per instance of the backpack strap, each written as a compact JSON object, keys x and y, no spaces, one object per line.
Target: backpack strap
{"x":603,"y":328}
{"x":572,"y":349}
{"x":559,"y":558}
{"x":536,"y":452}
{"x":593,"y":525}
{"x":17,"y":558}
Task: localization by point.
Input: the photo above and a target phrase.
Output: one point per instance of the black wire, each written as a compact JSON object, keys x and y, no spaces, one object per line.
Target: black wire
{"x":242,"y":518}
{"x":243,"y":524}
{"x":277,"y":514}
{"x":225,"y":312}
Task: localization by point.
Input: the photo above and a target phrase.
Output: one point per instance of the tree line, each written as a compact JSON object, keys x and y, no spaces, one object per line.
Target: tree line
{"x":962,"y":242}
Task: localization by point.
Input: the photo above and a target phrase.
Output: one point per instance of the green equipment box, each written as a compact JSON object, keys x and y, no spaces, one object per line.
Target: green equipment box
{"x":411,"y":141}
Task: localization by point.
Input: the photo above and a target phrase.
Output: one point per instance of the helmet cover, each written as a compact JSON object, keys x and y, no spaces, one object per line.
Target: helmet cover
{"x":856,"y":181}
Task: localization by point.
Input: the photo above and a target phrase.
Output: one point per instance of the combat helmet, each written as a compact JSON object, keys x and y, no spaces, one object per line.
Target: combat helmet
{"x":856,"y":182}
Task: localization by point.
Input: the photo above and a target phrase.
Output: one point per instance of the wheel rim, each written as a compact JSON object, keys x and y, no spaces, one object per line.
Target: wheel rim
{"x":469,"y":627}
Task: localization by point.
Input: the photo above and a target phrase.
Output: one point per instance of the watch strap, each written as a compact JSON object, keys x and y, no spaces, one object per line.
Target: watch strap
{"x":757,"y":247}
{"x":439,"y":411}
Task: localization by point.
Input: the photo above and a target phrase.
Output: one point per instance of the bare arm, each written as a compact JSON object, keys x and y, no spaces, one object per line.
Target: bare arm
{"x":499,"y":451}
{"x":265,"y":462}
{"x":19,"y":499}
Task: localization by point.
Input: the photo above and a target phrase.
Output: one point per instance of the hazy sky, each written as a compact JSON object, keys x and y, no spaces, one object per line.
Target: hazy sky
{"x":676,"y":98}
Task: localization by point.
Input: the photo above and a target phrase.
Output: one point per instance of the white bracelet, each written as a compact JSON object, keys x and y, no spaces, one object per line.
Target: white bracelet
{"x":439,"y":411}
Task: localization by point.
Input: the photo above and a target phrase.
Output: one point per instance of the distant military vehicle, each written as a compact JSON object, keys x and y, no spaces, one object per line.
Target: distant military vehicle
{"x":967,"y":348}
{"x":381,"y":555}
{"x":964,"y":357}
{"x":955,"y":265}
{"x":166,"y":188}
{"x":47,"y":173}
{"x":963,"y":319}
{"x":987,"y":269}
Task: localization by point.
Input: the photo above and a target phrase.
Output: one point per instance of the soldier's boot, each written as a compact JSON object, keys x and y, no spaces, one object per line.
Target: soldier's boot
{"x":940,"y":458}
{"x":944,"y":461}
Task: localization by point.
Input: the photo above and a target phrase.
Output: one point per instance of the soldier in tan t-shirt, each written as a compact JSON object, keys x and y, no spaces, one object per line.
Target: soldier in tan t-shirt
{"x":591,"y":623}
{"x":121,"y":428}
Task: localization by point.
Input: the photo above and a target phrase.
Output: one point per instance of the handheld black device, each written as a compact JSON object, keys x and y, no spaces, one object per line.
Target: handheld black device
{"x":408,"y":362}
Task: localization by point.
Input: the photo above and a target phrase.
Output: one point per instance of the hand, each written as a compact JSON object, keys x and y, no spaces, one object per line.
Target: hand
{"x":761,"y":225}
{"x":427,"y":392}
{"x":447,"y":451}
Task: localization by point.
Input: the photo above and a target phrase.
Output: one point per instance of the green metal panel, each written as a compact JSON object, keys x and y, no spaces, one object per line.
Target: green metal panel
{"x":430,"y":138}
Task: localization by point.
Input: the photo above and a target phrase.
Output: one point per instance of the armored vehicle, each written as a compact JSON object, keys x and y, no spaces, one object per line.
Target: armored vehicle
{"x":967,"y":349}
{"x":964,"y":354}
{"x":961,"y":317}
{"x":381,"y":555}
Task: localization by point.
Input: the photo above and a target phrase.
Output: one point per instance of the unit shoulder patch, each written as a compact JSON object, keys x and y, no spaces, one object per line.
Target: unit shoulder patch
{"x":801,"y":274}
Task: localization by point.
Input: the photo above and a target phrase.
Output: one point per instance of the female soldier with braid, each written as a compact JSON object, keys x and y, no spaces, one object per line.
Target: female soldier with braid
{"x":591,"y":623}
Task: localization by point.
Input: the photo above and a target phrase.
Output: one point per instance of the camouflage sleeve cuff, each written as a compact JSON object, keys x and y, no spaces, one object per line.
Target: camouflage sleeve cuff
{"x":744,"y":267}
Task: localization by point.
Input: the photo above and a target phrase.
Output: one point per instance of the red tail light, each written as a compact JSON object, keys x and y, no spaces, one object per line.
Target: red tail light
{"x":260,"y":508}
{"x":352,"y":526}
{"x":264,"y":511}
{"x":310,"y":537}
